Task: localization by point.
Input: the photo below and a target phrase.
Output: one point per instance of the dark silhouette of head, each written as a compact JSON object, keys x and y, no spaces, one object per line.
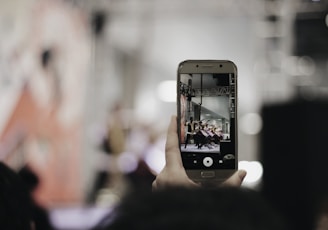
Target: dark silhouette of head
{"x":181,"y":208}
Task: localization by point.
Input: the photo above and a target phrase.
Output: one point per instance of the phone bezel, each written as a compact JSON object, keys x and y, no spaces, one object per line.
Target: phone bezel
{"x":213,"y":67}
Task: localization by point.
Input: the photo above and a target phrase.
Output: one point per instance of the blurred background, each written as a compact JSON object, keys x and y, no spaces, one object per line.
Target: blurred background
{"x":87,"y":88}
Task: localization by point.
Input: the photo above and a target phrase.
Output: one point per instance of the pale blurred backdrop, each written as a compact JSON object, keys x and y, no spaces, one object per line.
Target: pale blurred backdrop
{"x":77,"y":74}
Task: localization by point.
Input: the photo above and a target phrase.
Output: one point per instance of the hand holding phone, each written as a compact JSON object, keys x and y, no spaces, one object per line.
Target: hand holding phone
{"x":207,"y":119}
{"x":174,"y":174}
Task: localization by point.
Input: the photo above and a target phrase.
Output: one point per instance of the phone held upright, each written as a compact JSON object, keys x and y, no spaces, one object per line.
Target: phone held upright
{"x":207,"y":119}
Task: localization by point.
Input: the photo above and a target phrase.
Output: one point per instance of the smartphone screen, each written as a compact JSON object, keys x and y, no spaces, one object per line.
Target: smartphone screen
{"x":207,"y":112}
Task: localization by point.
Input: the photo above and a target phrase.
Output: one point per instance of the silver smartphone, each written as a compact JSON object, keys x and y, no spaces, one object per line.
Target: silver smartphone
{"x":207,"y":119}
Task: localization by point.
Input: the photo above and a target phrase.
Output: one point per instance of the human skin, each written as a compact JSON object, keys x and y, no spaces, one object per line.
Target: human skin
{"x":174,"y":174}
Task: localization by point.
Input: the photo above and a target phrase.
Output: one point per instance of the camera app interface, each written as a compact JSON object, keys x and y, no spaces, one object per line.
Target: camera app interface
{"x":207,"y":128}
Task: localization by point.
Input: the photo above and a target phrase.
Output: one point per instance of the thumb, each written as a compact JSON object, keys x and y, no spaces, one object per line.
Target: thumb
{"x":236,"y":179}
{"x":172,"y":151}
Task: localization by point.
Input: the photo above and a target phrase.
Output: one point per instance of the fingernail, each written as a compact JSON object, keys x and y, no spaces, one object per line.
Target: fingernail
{"x":242,"y":174}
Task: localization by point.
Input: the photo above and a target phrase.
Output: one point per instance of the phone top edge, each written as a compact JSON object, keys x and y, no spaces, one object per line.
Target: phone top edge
{"x":205,"y":61}
{"x":207,"y":66}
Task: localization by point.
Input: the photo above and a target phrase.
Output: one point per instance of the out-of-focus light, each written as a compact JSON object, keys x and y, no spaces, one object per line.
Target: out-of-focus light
{"x":251,"y":123}
{"x":146,"y":107}
{"x":155,"y":156}
{"x":289,"y":65}
{"x":326,"y":20}
{"x":76,"y":217}
{"x":166,"y":91}
{"x":127,"y":162}
{"x":254,"y":171}
{"x":107,"y":198}
{"x":306,"y":66}
{"x":299,"y":66}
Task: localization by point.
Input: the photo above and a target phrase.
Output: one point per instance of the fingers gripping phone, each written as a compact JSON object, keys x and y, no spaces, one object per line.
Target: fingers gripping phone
{"x":207,"y":119}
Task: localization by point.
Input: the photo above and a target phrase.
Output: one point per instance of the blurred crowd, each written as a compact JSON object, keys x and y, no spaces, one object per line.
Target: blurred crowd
{"x":81,"y":124}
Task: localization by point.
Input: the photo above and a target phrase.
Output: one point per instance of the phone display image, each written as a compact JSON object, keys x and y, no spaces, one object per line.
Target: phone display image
{"x":207,"y":119}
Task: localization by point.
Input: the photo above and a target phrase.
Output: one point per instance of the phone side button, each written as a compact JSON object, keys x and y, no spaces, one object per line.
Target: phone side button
{"x":207,"y":174}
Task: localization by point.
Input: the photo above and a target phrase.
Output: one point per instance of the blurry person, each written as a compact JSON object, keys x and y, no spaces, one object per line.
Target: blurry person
{"x":174,"y":174}
{"x":45,"y":120}
{"x":116,"y":134}
{"x":226,"y":208}
{"x":294,"y":162}
{"x":179,"y":203}
{"x":110,"y":174}
{"x":15,"y":203}
{"x":39,"y":213}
